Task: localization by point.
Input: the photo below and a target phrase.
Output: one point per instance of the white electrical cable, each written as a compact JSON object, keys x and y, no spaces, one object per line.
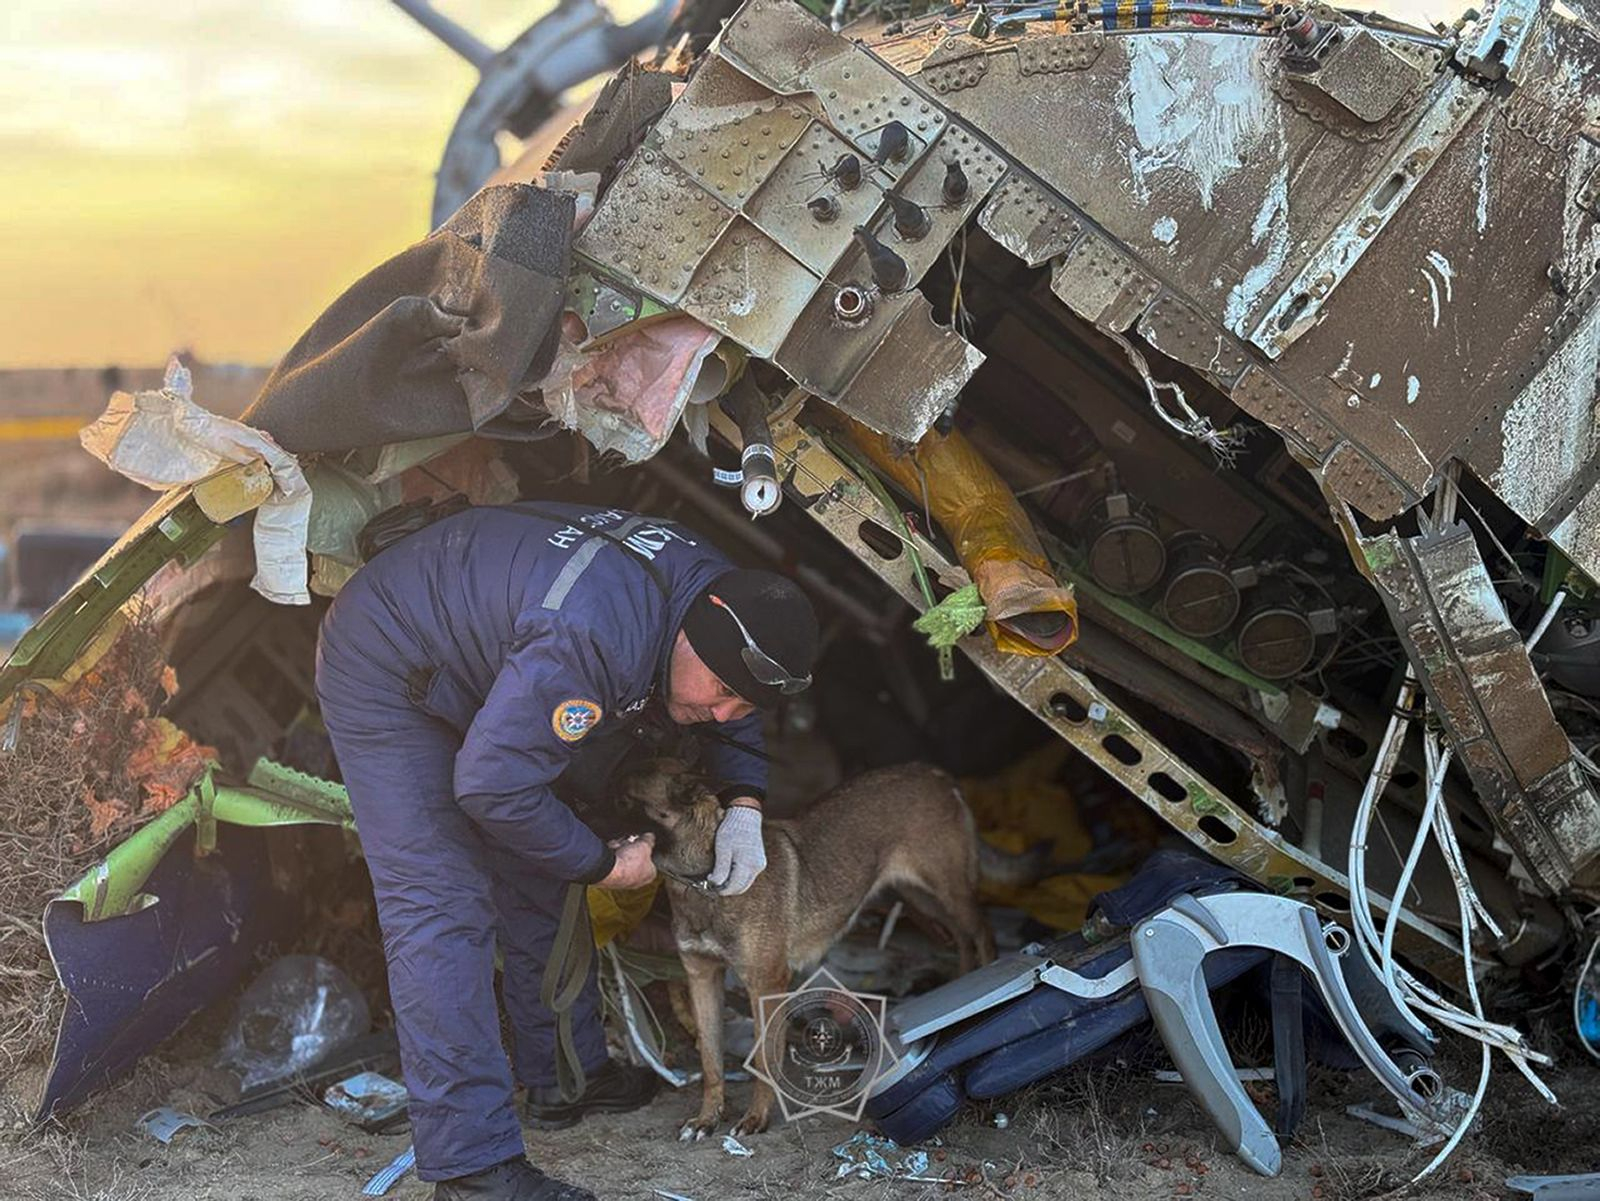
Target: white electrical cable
{"x":1406,"y":989}
{"x":1544,"y":622}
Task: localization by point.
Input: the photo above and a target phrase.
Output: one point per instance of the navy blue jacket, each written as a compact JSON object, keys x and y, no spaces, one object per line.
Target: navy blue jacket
{"x":526,"y":634}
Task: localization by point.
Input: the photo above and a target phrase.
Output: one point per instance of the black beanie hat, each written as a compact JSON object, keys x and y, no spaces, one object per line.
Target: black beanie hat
{"x":777,"y":614}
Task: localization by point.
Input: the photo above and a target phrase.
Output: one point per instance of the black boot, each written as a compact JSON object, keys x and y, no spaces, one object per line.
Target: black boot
{"x":514,"y":1180}
{"x":615,"y":1088}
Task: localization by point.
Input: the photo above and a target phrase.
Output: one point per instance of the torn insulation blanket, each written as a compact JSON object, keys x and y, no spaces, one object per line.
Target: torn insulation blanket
{"x":162,"y":439}
{"x":441,"y":339}
{"x":627,"y":391}
{"x":1029,"y":612}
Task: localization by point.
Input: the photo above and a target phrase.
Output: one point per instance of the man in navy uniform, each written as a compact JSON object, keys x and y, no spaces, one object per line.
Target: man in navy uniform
{"x":461,"y":673}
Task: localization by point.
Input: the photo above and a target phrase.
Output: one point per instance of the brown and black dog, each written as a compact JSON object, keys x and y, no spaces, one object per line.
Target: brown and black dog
{"x":905,"y":828}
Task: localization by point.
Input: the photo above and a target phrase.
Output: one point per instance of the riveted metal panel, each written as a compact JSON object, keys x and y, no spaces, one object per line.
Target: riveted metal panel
{"x":654,"y":226}
{"x":728,"y":132}
{"x":1182,"y":332}
{"x":1471,"y":661}
{"x":749,"y":288}
{"x":1028,"y":221}
{"x":1102,"y":284}
{"x":923,"y":186}
{"x":780,"y":206}
{"x":1264,"y":397}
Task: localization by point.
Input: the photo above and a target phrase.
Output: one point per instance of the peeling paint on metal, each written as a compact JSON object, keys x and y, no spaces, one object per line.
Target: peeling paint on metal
{"x":1413,"y":389}
{"x":1549,"y":431}
{"x":1271,"y":219}
{"x":1433,"y":294}
{"x":1426,"y":462}
{"x":1203,"y":118}
{"x":1447,"y":273}
{"x":1483,"y":178}
{"x":1164,"y":231}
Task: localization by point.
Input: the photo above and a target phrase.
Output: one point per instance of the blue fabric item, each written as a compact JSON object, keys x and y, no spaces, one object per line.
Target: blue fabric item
{"x":1034,"y":1056}
{"x":923,"y":1114}
{"x":1166,"y":874}
{"x":131,"y":981}
{"x":458,"y":673}
{"x":1045,"y":1030}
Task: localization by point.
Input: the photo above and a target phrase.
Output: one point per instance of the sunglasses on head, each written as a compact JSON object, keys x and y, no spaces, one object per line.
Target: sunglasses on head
{"x":761,"y":665}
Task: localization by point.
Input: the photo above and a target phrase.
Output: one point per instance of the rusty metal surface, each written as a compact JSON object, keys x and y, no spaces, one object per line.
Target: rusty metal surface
{"x":1478,"y":677}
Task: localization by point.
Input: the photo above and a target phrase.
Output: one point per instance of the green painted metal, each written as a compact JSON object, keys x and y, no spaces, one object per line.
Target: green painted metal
{"x":174,"y":528}
{"x":111,"y":888}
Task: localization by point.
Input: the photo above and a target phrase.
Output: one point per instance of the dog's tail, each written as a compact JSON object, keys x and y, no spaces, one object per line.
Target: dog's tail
{"x":1013,"y":869}
{"x":1004,"y":869}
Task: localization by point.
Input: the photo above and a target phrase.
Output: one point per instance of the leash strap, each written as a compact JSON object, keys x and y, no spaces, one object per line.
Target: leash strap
{"x":1288,"y":1043}
{"x":565,"y":973}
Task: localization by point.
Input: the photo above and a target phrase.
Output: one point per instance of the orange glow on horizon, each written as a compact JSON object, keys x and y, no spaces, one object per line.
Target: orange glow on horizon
{"x":209,"y":175}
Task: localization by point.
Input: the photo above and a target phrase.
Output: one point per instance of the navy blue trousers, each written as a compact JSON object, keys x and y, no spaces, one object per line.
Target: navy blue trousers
{"x":447,"y":897}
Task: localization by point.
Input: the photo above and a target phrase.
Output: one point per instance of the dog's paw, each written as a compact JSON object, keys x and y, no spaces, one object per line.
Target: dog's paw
{"x":751,"y":1123}
{"x":697,"y":1128}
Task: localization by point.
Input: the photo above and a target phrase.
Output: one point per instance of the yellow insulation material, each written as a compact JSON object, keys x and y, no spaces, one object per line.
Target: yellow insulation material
{"x":990,"y":532}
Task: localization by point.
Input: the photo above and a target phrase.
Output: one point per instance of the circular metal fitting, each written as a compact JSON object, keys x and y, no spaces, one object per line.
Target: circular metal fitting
{"x":852,"y":305}
{"x":1276,"y":642}
{"x":1200,"y":598}
{"x":1126,"y":555}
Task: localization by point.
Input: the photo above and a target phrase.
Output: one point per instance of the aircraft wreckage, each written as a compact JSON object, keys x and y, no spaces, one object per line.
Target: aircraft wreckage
{"x":1245,"y":359}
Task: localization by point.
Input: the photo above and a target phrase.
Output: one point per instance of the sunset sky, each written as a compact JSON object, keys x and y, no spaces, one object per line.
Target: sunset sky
{"x":208,"y":174}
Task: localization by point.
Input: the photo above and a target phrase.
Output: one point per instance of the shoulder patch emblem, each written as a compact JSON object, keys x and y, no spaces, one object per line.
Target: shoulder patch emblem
{"x":575,"y":718}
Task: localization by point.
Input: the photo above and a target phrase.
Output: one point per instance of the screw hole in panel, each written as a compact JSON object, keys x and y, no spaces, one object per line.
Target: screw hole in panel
{"x":1067,"y":707}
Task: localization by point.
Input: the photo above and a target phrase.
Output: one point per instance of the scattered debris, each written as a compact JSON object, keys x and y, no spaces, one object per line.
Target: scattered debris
{"x":734,"y":1147}
{"x":871,"y":1157}
{"x":295,"y":1012}
{"x":369,"y":1099}
{"x":1558,"y":1188}
{"x":386,"y":1179}
{"x":1253,"y":1075}
{"x":164,"y":1123}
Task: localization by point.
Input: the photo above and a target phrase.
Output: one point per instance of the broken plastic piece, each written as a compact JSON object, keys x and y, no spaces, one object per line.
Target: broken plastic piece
{"x":164,"y":1123}
{"x":295,"y":1012}
{"x":888,"y":268}
{"x":368,"y":1099}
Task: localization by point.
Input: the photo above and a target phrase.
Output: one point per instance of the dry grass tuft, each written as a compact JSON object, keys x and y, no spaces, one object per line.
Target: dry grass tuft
{"x":88,"y":767}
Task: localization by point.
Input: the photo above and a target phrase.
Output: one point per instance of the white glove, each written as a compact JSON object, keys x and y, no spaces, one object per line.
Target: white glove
{"x":740,"y":855}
